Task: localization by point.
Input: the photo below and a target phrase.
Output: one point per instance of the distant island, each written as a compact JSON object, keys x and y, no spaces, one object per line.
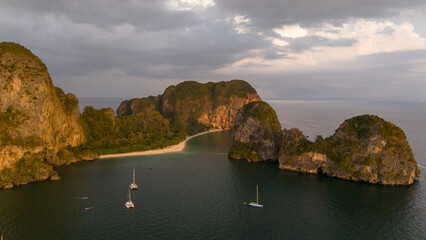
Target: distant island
{"x":364,"y":148}
{"x":42,"y":127}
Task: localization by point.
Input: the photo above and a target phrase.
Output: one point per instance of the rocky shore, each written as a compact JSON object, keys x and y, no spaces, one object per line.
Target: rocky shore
{"x":364,"y":148}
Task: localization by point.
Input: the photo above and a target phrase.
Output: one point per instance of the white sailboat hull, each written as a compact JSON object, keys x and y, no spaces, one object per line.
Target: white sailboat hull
{"x":129,"y":204}
{"x":253,"y":204}
{"x":256,"y":204}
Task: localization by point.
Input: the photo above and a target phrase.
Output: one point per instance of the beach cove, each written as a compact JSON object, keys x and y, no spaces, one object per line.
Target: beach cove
{"x":170,"y":149}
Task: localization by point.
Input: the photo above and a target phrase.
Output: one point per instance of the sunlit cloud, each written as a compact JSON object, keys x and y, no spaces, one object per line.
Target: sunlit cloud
{"x":371,"y":37}
{"x":279,"y":42}
{"x":190,"y":4}
{"x":291,"y":31}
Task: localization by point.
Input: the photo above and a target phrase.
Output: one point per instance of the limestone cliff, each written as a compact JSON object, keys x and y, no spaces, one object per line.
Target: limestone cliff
{"x":296,"y":153}
{"x":137,"y":105}
{"x":256,"y":133}
{"x":364,"y":148}
{"x":201,"y":106}
{"x":37,"y":119}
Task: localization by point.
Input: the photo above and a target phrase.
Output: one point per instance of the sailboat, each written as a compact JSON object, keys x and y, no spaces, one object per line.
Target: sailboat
{"x":129,"y":204}
{"x":133,"y":185}
{"x":256,"y":204}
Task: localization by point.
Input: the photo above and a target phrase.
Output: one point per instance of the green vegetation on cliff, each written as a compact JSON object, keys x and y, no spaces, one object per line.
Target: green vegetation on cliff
{"x":10,"y":120}
{"x":137,"y":105}
{"x":262,"y":111}
{"x":365,"y":148}
{"x":354,"y":135}
{"x":296,"y":143}
{"x":28,"y":169}
{"x":19,"y":50}
{"x":247,"y":151}
{"x":256,"y":133}
{"x":106,"y":133}
{"x":225,"y":90}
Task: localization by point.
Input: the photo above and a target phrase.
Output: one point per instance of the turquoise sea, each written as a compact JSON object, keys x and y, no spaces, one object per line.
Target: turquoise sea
{"x":201,"y":194}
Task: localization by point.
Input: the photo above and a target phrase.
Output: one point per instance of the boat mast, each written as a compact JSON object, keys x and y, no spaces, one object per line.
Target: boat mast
{"x":133,"y":176}
{"x":130,"y":198}
{"x":257,"y":194}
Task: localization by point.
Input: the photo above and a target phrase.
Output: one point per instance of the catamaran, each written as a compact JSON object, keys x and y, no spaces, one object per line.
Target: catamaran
{"x":129,"y":204}
{"x":256,"y":204}
{"x":133,"y":185}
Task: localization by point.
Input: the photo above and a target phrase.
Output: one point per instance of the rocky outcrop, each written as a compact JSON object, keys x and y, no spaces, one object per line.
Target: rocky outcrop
{"x":37,"y":119}
{"x":296,"y":155}
{"x":201,"y":106}
{"x":364,"y":148}
{"x":137,"y":105}
{"x":255,"y":133}
{"x":223,"y":116}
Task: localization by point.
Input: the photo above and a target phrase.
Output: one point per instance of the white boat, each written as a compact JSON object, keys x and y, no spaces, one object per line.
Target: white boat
{"x":256,"y":204}
{"x":133,"y":185}
{"x":129,"y":204}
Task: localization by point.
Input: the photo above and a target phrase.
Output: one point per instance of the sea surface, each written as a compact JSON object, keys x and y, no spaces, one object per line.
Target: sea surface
{"x":201,"y":194}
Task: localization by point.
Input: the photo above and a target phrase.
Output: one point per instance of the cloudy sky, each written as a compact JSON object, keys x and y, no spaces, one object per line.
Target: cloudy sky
{"x":287,"y":49}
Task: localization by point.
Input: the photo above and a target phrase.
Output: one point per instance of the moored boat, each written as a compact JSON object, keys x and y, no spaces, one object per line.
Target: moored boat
{"x":256,"y":204}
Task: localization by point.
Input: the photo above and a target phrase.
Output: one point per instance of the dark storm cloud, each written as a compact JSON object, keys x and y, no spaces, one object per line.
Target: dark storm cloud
{"x":145,"y":15}
{"x":158,"y":43}
{"x":274,"y":13}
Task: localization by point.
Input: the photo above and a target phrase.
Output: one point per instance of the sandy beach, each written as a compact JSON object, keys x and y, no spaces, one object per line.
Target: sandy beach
{"x":174,"y":148}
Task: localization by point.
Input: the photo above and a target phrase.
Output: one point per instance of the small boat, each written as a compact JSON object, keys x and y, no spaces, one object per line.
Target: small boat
{"x":129,"y":204}
{"x":256,"y":204}
{"x":133,"y":185}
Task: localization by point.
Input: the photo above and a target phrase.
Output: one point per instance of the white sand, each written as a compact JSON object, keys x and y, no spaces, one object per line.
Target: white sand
{"x":174,"y":148}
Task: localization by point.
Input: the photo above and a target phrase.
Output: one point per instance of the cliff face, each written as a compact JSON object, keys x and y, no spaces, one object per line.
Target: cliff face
{"x":256,"y":133}
{"x":296,"y":153}
{"x":201,"y":106}
{"x":364,"y":148}
{"x":37,"y":119}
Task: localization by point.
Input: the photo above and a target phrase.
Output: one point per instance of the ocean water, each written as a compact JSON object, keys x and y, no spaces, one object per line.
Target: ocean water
{"x":201,"y":194}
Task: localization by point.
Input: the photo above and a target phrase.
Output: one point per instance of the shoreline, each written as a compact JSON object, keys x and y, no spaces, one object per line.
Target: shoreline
{"x":169,"y":149}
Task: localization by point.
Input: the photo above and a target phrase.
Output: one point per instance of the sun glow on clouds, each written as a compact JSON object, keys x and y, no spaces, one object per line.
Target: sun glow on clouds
{"x":370,"y":37}
{"x":279,"y":42}
{"x":376,"y":37}
{"x":190,"y":4}
{"x":291,"y":31}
